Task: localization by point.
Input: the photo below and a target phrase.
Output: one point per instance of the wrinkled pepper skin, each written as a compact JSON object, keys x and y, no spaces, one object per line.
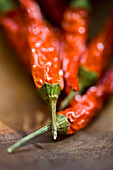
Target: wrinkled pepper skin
{"x":14,"y":30}
{"x":74,"y":28}
{"x":42,"y":41}
{"x":83,"y":111}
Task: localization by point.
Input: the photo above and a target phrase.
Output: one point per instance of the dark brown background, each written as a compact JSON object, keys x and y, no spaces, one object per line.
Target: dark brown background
{"x":22,"y":110}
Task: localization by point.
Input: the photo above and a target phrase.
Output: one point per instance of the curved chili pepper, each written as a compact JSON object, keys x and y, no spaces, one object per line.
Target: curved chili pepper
{"x":94,"y":60}
{"x":77,"y":117}
{"x":14,"y":30}
{"x":74,"y":27}
{"x":83,"y":111}
{"x":46,"y":69}
{"x":53,"y":9}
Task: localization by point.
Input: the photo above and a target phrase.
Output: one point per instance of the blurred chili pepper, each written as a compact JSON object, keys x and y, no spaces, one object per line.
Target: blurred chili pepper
{"x":53,"y":9}
{"x":14,"y":30}
{"x":94,"y":60}
{"x":46,"y":69}
{"x":77,"y":117}
{"x":75,"y":29}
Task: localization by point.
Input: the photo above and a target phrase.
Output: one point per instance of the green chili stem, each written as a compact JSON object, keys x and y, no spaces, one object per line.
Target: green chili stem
{"x":50,"y":93}
{"x":62,"y":126}
{"x":70,"y":96}
{"x":6,"y":5}
{"x":28,"y":137}
{"x":53,"y":120}
{"x":66,"y":101}
{"x":84,"y":4}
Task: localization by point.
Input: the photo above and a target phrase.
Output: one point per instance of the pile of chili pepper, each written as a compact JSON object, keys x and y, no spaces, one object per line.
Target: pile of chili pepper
{"x":60,"y":58}
{"x":78,"y":116}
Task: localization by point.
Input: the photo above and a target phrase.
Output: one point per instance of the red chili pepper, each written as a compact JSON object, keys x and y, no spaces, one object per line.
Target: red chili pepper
{"x":74,"y":27}
{"x":53,"y":9}
{"x":46,"y":69}
{"x":94,"y":60}
{"x":83,"y":111}
{"x":14,"y":30}
{"x":47,"y":52}
{"x":77,"y":117}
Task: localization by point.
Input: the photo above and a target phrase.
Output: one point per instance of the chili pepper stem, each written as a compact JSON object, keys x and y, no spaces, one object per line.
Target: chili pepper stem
{"x":28,"y":137}
{"x":6,"y":5}
{"x":50,"y":94}
{"x":53,"y":115}
{"x":66,"y":101}
{"x":70,"y":96}
{"x":85,"y":4}
{"x":62,"y":125}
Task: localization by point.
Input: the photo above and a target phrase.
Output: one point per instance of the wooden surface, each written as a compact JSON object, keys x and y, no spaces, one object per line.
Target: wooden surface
{"x":22,"y":111}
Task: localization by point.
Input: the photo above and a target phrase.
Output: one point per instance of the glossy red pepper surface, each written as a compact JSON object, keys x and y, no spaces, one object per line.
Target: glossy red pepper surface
{"x":75,"y":27}
{"x":97,"y":55}
{"x":42,"y":41}
{"x":83,"y":111}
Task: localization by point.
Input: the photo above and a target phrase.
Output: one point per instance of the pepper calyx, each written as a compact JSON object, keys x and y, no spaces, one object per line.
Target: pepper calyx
{"x":86,"y":78}
{"x":50,"y":91}
{"x":62,"y":124}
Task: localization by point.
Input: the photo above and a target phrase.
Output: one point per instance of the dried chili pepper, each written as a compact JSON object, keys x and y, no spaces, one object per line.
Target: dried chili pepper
{"x":10,"y":19}
{"x":94,"y":60}
{"x":77,"y":117}
{"x":74,"y":28}
{"x":46,"y":69}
